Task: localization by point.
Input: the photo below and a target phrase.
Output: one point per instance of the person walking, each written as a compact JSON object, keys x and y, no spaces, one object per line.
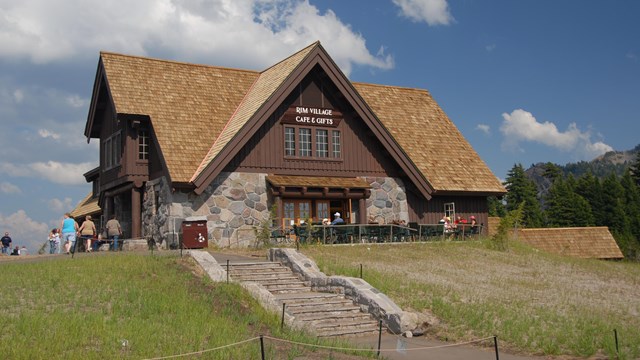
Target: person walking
{"x":114,"y":231}
{"x":6,"y":244}
{"x":69,"y":228}
{"x":87,"y":232}
{"x":54,"y":241}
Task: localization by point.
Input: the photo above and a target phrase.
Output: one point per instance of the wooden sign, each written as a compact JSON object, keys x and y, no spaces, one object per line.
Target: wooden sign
{"x":312,"y":116}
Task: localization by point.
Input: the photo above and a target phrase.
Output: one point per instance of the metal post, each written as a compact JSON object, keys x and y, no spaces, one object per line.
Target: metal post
{"x":282,"y":322}
{"x":360,"y":271}
{"x":495,"y":345}
{"x":227,"y":271}
{"x":261,"y":347}
{"x":379,"y":337}
{"x":615,"y":334}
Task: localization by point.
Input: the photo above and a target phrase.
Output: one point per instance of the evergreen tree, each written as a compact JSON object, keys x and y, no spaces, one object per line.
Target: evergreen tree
{"x":496,"y":207}
{"x":589,"y":187}
{"x":632,"y":203}
{"x":613,"y":206}
{"x":635,"y":168}
{"x":565,"y":208}
{"x":552,"y":171}
{"x":523,"y":190}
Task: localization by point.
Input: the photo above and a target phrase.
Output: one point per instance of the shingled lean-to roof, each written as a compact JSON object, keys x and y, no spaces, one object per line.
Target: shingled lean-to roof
{"x":580,"y":242}
{"x":196,"y":111}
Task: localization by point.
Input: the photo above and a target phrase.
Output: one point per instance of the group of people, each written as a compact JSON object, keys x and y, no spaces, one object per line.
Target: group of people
{"x":69,"y":231}
{"x":6,"y":246}
{"x":459,"y":222}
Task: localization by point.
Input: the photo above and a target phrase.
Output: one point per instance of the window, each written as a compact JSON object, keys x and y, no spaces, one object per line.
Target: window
{"x":322,"y":143}
{"x":112,"y":150}
{"x":143,"y":145}
{"x":290,"y":141}
{"x":305,"y":142}
{"x":335,"y":137}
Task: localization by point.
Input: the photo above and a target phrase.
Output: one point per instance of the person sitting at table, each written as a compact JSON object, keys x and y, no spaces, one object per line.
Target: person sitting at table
{"x":474,"y":225}
{"x":326,"y":221}
{"x":337,"y":220}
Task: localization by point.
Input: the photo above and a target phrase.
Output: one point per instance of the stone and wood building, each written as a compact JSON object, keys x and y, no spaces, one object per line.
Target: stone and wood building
{"x":296,"y":141}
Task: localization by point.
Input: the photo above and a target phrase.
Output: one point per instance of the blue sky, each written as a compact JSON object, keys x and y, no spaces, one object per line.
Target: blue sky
{"x":525,"y":81}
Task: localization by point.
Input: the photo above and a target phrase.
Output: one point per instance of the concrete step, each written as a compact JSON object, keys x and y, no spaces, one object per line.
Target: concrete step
{"x":347,"y":330}
{"x":314,"y":297}
{"x":324,"y":317}
{"x":261,"y":276}
{"x":329,"y":309}
{"x":291,"y":290}
{"x":283,"y":285}
{"x":267,"y":280}
{"x":334,"y":302}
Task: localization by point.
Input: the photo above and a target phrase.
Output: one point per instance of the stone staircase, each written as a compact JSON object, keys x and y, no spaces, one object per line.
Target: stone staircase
{"x":326,"y":314}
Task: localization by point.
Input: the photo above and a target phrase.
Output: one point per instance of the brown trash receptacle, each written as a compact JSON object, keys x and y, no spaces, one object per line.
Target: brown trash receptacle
{"x":194,"y":234}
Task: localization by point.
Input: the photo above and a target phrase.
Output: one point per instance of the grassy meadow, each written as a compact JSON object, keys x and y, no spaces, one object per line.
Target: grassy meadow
{"x":535,"y":303}
{"x":132,"y":306}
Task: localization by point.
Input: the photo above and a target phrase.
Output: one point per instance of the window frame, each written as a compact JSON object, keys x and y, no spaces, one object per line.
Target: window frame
{"x":112,"y":150}
{"x":313,"y":143}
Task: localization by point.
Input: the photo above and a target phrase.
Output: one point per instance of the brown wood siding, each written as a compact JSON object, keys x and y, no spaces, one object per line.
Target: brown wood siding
{"x":362,"y":154}
{"x":430,"y":212}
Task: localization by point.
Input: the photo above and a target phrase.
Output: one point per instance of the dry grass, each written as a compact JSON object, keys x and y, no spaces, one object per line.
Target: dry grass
{"x":535,"y":302}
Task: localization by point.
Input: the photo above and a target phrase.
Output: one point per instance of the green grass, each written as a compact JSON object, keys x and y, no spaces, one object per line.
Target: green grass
{"x":535,"y":303}
{"x":84,"y":308}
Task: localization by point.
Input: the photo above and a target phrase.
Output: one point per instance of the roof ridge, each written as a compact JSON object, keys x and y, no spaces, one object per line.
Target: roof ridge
{"x":391,"y":86}
{"x":563,"y":228}
{"x":177,"y":62}
{"x":315,"y":43}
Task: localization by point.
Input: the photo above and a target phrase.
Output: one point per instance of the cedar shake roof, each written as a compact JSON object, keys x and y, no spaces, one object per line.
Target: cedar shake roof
{"x":316,"y":181}
{"x":265,"y":85}
{"x":87,"y":206}
{"x":189,"y":105}
{"x":580,"y":242}
{"x":196,"y":111}
{"x":430,"y":139}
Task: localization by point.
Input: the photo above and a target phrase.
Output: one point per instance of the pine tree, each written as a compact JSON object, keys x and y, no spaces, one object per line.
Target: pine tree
{"x":613,"y":206}
{"x":552,"y":171}
{"x":565,"y":208}
{"x":589,"y":187}
{"x":496,"y":207}
{"x":523,"y":190}
{"x":635,"y":169}
{"x":631,"y":203}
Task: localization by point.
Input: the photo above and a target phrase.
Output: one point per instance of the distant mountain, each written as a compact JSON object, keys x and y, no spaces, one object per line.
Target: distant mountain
{"x":602,"y":166}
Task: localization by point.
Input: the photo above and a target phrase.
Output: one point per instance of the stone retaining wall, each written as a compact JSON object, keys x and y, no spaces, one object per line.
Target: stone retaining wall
{"x":362,"y":293}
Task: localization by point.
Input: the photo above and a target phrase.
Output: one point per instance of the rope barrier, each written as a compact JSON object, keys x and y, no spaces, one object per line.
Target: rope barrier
{"x":357,"y":349}
{"x":203,"y":351}
{"x":317,"y":346}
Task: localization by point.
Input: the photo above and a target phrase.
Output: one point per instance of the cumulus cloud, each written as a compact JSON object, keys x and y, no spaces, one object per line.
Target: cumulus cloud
{"x":61,"y":206}
{"x":24,"y":230}
{"x":521,"y":125}
{"x":9,"y":188}
{"x":57,"y":172}
{"x":433,"y":12}
{"x":44,"y":133}
{"x":484,"y":128}
{"x":257,"y":32}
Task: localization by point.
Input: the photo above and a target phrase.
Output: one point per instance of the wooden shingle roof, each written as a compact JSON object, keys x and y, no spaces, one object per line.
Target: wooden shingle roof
{"x":580,"y":242}
{"x":87,"y":206}
{"x":316,"y":181}
{"x":196,"y":112}
{"x":188,"y":104}
{"x":261,"y":90}
{"x":430,"y":139}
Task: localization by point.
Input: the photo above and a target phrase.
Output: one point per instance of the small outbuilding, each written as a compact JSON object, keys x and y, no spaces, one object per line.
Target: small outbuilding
{"x":581,"y":242}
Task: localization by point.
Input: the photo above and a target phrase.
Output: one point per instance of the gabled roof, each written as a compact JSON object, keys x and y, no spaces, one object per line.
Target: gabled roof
{"x":580,"y":242}
{"x":261,"y":90}
{"x":188,"y":104}
{"x":430,"y":139}
{"x":201,"y":115}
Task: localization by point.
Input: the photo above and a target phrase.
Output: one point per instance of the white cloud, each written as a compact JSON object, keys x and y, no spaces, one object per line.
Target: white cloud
{"x":521,"y":125}
{"x":484,"y":128}
{"x":57,"y":172}
{"x":433,"y":12}
{"x":24,"y":230}
{"x":9,"y":188}
{"x":61,"y":206}
{"x":256,"y":32}
{"x":490,"y":47}
{"x":632,"y":56}
{"x":44,"y":133}
{"x":18,"y":95}
{"x":76,"y":101}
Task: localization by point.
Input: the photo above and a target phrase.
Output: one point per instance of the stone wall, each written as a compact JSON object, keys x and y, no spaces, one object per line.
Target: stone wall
{"x":233,"y":205}
{"x":388,"y":200}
